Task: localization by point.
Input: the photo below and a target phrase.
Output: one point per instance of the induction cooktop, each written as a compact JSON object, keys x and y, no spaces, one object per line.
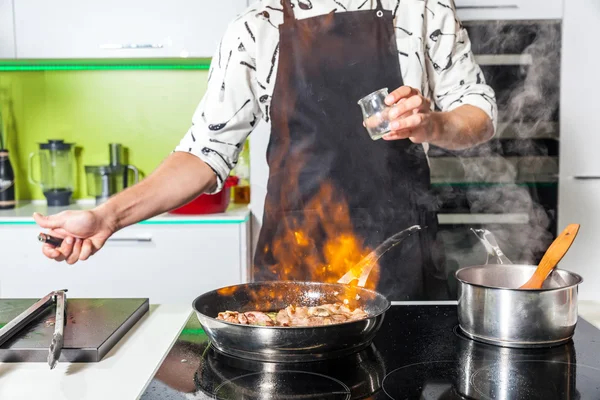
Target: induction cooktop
{"x":419,"y":353}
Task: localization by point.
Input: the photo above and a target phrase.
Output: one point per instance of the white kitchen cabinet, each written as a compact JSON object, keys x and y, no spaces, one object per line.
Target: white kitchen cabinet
{"x":579,"y":203}
{"x":7,"y":37}
{"x":580,"y":85}
{"x":474,"y":10}
{"x":169,"y":263}
{"x":72,"y":29}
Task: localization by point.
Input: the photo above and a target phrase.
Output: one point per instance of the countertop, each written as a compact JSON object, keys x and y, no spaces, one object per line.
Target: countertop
{"x":126,"y":371}
{"x":122,"y":374}
{"x":22,"y":214}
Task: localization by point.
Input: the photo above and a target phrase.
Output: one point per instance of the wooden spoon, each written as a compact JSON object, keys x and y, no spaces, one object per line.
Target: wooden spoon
{"x":553,"y":255}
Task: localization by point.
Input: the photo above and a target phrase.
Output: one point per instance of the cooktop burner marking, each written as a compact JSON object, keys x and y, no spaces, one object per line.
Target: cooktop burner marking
{"x":525,"y":379}
{"x":443,"y":381}
{"x":279,"y":385}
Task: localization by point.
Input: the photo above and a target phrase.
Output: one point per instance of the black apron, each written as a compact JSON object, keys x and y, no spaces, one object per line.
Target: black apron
{"x":327,"y":176}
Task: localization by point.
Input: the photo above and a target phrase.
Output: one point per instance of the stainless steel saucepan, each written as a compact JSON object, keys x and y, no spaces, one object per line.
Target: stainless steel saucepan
{"x":492,"y":309}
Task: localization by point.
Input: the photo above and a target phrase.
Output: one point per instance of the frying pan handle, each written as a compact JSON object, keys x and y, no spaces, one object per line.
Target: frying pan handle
{"x":367,"y":263}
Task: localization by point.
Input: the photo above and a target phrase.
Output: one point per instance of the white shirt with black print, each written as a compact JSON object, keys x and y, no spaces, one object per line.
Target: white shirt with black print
{"x":433,"y":47}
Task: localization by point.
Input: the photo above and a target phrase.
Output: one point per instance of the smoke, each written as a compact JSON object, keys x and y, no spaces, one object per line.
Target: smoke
{"x":528,"y":102}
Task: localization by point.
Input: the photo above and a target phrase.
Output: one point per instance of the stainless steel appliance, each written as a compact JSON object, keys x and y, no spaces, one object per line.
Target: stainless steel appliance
{"x":14,"y":326}
{"x":103,"y":181}
{"x":91,"y":328}
{"x":419,"y":353}
{"x":57,"y":171}
{"x":510,"y":184}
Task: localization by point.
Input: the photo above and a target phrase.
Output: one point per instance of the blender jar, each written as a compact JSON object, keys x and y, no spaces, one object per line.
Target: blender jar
{"x":104,"y":181}
{"x":56,"y":164}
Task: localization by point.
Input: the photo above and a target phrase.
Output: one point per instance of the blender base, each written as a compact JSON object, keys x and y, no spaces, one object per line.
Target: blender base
{"x":58,"y":197}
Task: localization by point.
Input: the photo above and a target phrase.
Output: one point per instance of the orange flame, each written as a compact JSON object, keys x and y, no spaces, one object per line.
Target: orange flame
{"x":301,"y":256}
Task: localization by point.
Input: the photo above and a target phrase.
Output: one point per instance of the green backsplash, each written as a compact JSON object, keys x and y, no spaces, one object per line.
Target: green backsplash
{"x":148,"y":112}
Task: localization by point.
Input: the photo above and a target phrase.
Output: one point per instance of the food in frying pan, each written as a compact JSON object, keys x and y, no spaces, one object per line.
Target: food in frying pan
{"x":292,"y":316}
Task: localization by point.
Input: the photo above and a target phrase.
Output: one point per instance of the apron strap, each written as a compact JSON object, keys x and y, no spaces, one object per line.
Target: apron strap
{"x":288,"y":11}
{"x":379,"y":6}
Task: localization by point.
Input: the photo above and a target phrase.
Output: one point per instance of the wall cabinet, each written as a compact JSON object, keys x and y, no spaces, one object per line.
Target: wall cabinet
{"x":7,"y":31}
{"x":72,"y":29}
{"x":167,"y":263}
{"x":580,"y":83}
{"x":509,"y":9}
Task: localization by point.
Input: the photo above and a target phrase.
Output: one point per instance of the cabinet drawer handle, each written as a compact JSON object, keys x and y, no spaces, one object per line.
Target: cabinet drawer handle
{"x":136,"y":240}
{"x":587,"y":177}
{"x":504,"y":59}
{"x":130,"y":46}
{"x":490,"y":7}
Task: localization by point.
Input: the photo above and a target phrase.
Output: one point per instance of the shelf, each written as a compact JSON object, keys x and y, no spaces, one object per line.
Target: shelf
{"x":198,"y":64}
{"x":22,"y":215}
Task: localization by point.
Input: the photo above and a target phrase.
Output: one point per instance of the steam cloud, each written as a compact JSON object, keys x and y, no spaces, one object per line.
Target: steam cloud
{"x":528,"y":108}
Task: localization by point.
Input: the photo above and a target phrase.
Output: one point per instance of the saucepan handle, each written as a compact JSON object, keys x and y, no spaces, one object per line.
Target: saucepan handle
{"x":491,"y":246}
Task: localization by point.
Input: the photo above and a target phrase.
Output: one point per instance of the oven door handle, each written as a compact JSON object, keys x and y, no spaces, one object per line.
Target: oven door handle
{"x":504,"y":59}
{"x":488,"y":7}
{"x":477,"y":219}
{"x":586,"y":177}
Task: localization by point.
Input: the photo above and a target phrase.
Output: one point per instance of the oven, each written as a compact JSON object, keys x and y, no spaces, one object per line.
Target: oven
{"x":510,"y":184}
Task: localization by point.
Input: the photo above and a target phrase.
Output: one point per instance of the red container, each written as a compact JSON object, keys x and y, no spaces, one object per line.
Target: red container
{"x":210,"y":203}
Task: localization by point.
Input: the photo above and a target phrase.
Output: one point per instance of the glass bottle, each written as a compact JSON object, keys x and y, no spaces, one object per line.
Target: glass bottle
{"x":241,"y":192}
{"x":7,"y":174}
{"x":7,"y":182}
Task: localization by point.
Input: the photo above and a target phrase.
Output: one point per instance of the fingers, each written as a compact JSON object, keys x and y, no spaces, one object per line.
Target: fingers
{"x":74,"y":256}
{"x":65,"y":249}
{"x":51,"y":252}
{"x":87,"y":250}
{"x":409,"y":106}
{"x":72,"y":250}
{"x":413,"y":127}
{"x":398,"y":135}
{"x":410,"y":122}
{"x":401,"y":93}
{"x":48,"y":222}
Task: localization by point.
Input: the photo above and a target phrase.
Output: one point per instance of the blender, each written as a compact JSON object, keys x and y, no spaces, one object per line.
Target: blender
{"x":57,"y":163}
{"x":103,"y":181}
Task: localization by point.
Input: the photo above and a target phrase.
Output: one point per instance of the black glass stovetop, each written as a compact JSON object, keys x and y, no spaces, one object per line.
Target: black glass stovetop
{"x":419,"y":353}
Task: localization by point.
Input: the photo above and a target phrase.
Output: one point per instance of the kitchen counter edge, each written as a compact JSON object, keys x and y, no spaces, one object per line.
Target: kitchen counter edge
{"x":23,"y":215}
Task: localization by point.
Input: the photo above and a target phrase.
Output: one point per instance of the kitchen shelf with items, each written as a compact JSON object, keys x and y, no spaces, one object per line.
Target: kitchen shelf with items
{"x":212,"y":242}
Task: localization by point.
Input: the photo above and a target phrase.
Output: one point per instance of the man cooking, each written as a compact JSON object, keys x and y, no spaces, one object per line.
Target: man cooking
{"x":302,"y":65}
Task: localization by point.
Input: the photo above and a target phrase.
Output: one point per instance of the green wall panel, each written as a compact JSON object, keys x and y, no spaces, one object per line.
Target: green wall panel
{"x":148,"y":111}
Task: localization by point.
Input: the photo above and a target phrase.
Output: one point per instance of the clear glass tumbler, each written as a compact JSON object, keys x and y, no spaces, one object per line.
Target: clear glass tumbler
{"x":375,"y":113}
